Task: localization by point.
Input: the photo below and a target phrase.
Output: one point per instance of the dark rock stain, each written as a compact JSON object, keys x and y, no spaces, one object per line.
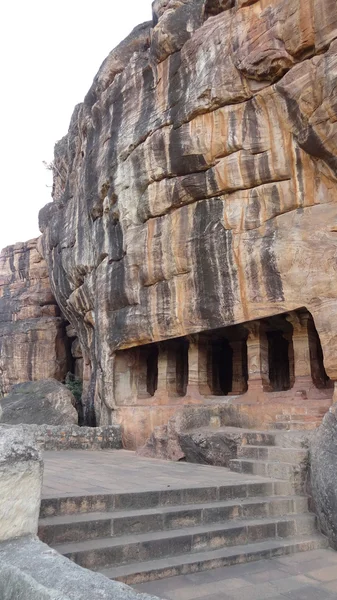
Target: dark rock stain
{"x":183,"y":164}
{"x":250,"y":127}
{"x":276,"y":200}
{"x":253,"y":209}
{"x":216,"y":276}
{"x":305,"y":134}
{"x":271,"y":274}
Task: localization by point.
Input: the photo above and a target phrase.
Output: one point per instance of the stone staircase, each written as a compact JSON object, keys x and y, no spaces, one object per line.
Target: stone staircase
{"x":137,"y":537}
{"x":268,"y":454}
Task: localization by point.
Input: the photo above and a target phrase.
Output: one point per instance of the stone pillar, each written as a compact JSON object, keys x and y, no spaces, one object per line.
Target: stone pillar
{"x":258,"y":363}
{"x":289,"y":337}
{"x":166,"y":387}
{"x":239,"y":384}
{"x":142,"y":373}
{"x":302,"y":364}
{"x":197,"y":368}
{"x":316,"y":357}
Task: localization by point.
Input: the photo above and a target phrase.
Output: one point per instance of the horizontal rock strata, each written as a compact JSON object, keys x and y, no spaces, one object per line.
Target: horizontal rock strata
{"x":196,"y":187}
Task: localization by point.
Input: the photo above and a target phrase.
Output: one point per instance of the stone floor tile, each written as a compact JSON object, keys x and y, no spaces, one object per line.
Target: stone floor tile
{"x":163,"y":586}
{"x":221,"y":596}
{"x":266,"y":575}
{"x":313,"y":565}
{"x":331,"y":586}
{"x":288,"y":584}
{"x":260,"y":591}
{"x":324,"y":574}
{"x":310,"y":593}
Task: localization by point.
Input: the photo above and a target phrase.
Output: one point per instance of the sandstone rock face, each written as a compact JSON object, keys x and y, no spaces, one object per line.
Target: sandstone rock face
{"x":323,"y":454}
{"x":197,"y":185}
{"x":46,"y":402}
{"x":33,"y":343}
{"x":20,"y":484}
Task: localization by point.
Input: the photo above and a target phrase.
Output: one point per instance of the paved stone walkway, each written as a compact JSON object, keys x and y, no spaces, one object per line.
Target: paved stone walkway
{"x":303,"y":576}
{"x":83,"y":472}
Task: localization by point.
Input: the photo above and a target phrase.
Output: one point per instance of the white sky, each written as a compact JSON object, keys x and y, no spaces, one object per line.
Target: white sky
{"x":50,"y":53}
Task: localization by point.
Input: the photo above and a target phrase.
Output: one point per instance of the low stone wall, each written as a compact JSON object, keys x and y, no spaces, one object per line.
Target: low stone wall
{"x":72,"y":437}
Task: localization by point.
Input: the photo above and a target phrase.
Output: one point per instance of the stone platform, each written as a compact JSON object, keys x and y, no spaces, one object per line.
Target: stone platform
{"x":81,"y":472}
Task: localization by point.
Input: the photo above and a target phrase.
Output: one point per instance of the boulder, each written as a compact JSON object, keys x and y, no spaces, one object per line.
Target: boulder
{"x":46,"y":402}
{"x":208,"y":434}
{"x":323,"y":454}
{"x":210,"y":446}
{"x":30,"y":570}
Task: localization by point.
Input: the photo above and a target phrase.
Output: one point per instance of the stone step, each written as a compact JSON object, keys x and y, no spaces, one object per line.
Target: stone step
{"x":297,"y":425}
{"x":268,"y":437}
{"x":309,"y":408}
{"x":183,"y":564}
{"x":273,"y":453}
{"x":104,"y":552}
{"x":78,"y":527}
{"x":310,"y":418}
{"x":277,"y":470}
{"x":169,"y":497}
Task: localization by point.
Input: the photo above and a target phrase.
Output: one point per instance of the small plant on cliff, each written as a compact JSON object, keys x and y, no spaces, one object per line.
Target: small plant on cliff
{"x":74,"y":385}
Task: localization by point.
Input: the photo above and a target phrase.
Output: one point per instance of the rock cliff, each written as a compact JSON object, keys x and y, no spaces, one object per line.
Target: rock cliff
{"x":197,"y":185}
{"x":33,"y":341}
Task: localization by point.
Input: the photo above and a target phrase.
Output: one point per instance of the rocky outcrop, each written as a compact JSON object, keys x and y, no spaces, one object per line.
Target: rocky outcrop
{"x":197,"y":185}
{"x":33,"y":571}
{"x":323,"y":457}
{"x":33,"y":343}
{"x":45,"y":402}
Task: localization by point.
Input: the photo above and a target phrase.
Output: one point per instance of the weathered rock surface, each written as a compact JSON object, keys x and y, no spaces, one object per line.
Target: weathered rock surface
{"x":20,"y":484}
{"x":33,"y":343}
{"x":39,"y":402}
{"x":209,"y":446}
{"x":33,"y":571}
{"x":199,"y":434}
{"x":197,"y":185}
{"x":323,"y":455}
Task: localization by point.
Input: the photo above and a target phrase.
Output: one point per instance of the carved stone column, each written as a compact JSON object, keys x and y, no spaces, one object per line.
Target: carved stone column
{"x":239,"y":384}
{"x":258,"y":363}
{"x":197,"y":368}
{"x":289,"y":337}
{"x":142,"y":373}
{"x":166,"y":386}
{"x":301,"y":345}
